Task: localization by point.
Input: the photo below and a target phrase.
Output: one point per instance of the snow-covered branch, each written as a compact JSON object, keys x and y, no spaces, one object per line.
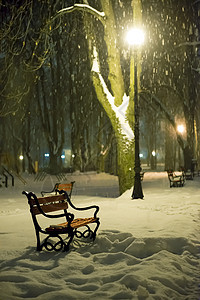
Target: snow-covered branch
{"x":195,"y":43}
{"x":197,"y":70}
{"x":82,"y":7}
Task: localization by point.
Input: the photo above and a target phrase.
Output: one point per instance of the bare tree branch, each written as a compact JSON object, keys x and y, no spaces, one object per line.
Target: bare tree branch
{"x":168,"y":115}
{"x":195,"y":2}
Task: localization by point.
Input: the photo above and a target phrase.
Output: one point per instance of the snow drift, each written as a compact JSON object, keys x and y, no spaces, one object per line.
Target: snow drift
{"x":145,"y":249}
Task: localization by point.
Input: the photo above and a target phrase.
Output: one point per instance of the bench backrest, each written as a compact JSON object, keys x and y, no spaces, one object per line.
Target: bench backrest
{"x":65,"y":187}
{"x":47,"y":204}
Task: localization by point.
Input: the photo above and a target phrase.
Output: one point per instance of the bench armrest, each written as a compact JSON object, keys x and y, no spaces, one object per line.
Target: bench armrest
{"x":49,"y":192}
{"x":80,"y":208}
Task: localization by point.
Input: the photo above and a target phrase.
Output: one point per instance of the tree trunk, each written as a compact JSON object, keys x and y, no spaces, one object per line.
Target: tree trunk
{"x":125,"y":147}
{"x":111,"y":98}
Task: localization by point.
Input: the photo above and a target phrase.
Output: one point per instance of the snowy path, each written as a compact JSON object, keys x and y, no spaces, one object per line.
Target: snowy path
{"x":145,"y":249}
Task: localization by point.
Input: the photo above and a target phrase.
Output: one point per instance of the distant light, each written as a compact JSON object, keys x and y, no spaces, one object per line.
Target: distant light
{"x":73,"y":155}
{"x":46,"y":154}
{"x":135,"y":36}
{"x":21,"y":157}
{"x":181,"y":128}
{"x":141,"y":155}
{"x":62,"y":156}
{"x":153,"y":153}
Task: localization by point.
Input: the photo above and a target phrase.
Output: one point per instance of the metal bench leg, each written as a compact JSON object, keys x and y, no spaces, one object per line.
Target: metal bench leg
{"x":95,"y":231}
{"x":39,"y":247}
{"x":66,"y":246}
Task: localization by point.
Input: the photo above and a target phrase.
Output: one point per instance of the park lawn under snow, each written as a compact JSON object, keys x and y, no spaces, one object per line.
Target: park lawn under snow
{"x":145,"y":249}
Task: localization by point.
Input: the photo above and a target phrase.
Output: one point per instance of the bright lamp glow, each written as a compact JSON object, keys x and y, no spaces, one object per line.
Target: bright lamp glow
{"x":181,"y":128}
{"x":21,"y":157}
{"x":135,"y":37}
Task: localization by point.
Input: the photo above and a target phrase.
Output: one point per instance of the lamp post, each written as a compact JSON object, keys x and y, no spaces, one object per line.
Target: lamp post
{"x":135,"y":38}
{"x":181,"y":130}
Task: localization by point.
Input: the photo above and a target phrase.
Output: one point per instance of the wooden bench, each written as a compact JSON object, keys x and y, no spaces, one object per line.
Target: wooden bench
{"x":189,"y":175}
{"x":69,"y":227}
{"x":176,"y":180}
{"x":68,"y":187}
{"x":142,"y":175}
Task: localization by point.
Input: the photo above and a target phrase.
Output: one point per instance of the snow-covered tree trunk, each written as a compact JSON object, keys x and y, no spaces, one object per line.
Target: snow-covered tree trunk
{"x":114,"y":100}
{"x":123,"y":133}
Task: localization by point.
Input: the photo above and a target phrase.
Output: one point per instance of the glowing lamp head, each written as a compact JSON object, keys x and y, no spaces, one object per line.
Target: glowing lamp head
{"x":135,"y":37}
{"x":181,"y":128}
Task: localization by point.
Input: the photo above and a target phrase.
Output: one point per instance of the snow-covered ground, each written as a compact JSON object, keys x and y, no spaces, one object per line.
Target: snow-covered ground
{"x":145,"y":249}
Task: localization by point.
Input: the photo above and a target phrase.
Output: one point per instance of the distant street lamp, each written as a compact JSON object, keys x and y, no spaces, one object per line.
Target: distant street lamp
{"x":135,"y":38}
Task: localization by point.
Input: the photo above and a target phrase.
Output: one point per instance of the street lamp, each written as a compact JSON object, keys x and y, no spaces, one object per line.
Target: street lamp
{"x":181,"y":128}
{"x":135,"y":38}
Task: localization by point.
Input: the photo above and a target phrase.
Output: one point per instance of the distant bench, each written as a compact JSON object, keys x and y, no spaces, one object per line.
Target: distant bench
{"x":142,"y":175}
{"x":176,"y":180}
{"x":70,"y":227}
{"x":189,"y":175}
{"x":68,"y":187}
